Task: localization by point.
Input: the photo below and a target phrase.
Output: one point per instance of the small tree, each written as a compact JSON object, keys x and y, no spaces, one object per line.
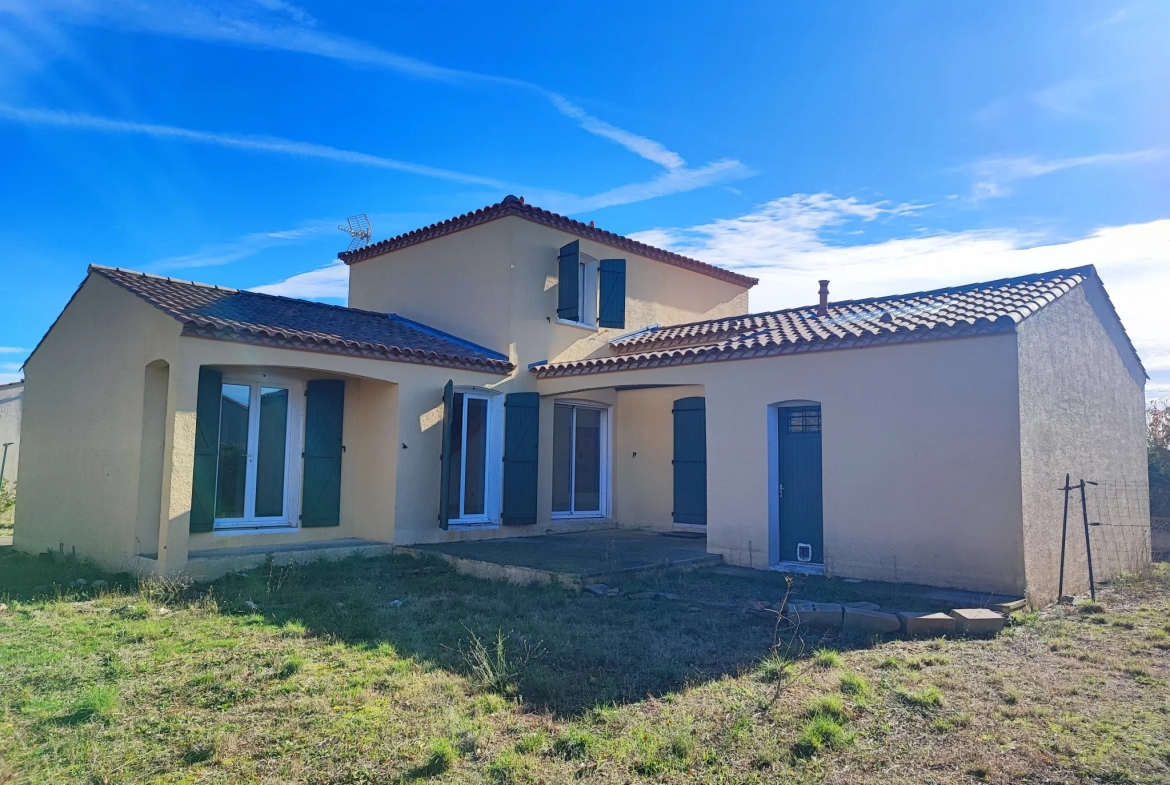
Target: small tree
{"x":7,"y":496}
{"x":1158,"y":448}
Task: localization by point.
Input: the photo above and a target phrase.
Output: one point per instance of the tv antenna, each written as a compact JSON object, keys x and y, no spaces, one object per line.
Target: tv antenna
{"x":358,"y":230}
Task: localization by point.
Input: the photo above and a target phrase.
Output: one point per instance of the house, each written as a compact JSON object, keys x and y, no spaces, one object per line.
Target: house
{"x":11,"y":398}
{"x":512,"y":372}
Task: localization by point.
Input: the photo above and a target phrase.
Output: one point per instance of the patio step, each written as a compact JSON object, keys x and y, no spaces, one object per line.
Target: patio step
{"x":211,"y":563}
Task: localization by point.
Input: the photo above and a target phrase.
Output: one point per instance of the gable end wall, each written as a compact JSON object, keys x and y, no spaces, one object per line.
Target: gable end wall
{"x":1082,"y":411}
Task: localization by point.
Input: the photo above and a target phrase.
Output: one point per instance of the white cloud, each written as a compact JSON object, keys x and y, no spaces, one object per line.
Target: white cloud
{"x":268,"y":144}
{"x":12,"y":350}
{"x":244,"y":247}
{"x":10,"y":372}
{"x":294,"y":30}
{"x":330,"y":282}
{"x":1069,"y":97}
{"x":670,"y":182}
{"x":784,"y":244}
{"x":993,"y":176}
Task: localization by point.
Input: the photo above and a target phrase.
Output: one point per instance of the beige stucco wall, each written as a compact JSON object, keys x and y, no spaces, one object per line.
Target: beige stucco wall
{"x":496,"y":284}
{"x":81,"y":430}
{"x":921,"y":471}
{"x":1082,"y":412}
{"x":643,"y":455}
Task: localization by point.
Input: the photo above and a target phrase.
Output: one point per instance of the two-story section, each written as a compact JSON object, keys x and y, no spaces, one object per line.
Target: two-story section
{"x":537,"y":286}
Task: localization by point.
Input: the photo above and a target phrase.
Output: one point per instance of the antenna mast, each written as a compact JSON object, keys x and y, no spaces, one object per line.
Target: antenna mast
{"x":358,"y":230}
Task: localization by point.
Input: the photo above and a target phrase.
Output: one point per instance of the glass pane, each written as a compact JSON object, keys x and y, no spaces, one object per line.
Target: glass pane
{"x":562,"y":458}
{"x":233,"y":451}
{"x":475,"y":467}
{"x":455,"y":450}
{"x":270,"y":452}
{"x":587,"y":469}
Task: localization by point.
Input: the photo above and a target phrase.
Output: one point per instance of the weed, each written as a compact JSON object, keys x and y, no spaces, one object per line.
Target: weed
{"x":574,"y":744}
{"x":890,"y":663}
{"x":508,"y":768}
{"x":164,"y":590}
{"x":927,"y":699}
{"x":854,"y":684}
{"x":1011,"y":697}
{"x":95,"y":702}
{"x":533,"y":743}
{"x":490,"y":703}
{"x":1089,"y":607}
{"x":291,"y":666}
{"x":950,"y":723}
{"x":775,"y":668}
{"x":441,"y":758}
{"x":827,"y":706}
{"x":199,"y":753}
{"x":979,"y":771}
{"x":819,"y":732}
{"x":827,"y":658}
{"x":496,"y":669}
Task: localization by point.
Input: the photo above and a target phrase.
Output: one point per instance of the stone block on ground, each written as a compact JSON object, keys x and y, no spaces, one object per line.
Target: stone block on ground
{"x":814,"y":614}
{"x":916,"y":624}
{"x":867,"y":620}
{"x":600,"y":589}
{"x":978,"y":621}
{"x":1010,"y":607}
{"x":863,"y":605}
{"x":642,"y":595}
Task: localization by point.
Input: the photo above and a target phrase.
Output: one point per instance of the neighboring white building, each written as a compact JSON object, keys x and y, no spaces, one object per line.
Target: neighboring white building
{"x":11,"y":403}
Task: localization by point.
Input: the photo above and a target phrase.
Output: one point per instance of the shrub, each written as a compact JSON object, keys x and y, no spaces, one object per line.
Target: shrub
{"x":291,"y":666}
{"x":7,"y":496}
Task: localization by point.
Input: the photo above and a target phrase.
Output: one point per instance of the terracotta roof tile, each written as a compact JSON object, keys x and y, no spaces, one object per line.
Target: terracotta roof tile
{"x":512,"y":205}
{"x":974,"y":309}
{"x":252,"y":317}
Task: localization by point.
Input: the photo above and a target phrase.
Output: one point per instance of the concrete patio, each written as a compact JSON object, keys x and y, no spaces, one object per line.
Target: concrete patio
{"x":573,"y":559}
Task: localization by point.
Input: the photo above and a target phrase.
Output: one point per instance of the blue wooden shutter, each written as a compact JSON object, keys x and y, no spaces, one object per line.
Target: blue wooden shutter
{"x":569,"y":284}
{"x":690,"y":461}
{"x":324,"y":413}
{"x":521,"y":445}
{"x":613,"y":293}
{"x":445,"y":455}
{"x":206,"y":450}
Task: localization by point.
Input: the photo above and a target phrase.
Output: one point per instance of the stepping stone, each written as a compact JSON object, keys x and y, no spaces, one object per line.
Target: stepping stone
{"x":600,"y":589}
{"x":642,"y":595}
{"x":917,"y":624}
{"x":865,"y":606}
{"x":814,"y":614}
{"x":870,"y":620}
{"x":978,"y":621}
{"x":1009,"y":607}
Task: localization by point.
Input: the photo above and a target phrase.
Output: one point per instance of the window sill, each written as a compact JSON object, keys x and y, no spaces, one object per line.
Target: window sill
{"x":579,"y":325}
{"x":466,"y":526}
{"x":236,"y":531}
{"x":581,"y":519}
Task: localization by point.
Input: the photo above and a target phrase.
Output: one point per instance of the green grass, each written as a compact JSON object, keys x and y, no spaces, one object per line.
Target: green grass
{"x":164,"y":681}
{"x":826,"y":658}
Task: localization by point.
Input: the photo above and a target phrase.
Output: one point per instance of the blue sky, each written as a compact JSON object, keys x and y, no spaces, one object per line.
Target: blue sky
{"x":888,"y":147}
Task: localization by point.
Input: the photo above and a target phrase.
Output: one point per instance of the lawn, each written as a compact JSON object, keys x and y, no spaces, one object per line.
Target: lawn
{"x":369,"y":672}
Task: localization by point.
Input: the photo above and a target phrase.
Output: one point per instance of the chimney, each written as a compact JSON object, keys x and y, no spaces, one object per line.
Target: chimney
{"x":823,"y":308}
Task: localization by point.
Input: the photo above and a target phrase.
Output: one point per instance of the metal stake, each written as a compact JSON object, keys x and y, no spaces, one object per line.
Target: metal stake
{"x":1063,"y":537}
{"x":1088,"y":546}
{"x":4,"y":460}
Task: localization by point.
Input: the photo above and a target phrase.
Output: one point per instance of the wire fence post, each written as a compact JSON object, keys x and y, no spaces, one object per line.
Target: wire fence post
{"x":1063,"y":537}
{"x":1088,"y":545}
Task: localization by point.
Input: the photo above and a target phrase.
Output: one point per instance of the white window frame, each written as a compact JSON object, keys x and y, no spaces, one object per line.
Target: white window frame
{"x":294,"y":439}
{"x":587,"y":303}
{"x":493,"y":461}
{"x":606,"y":461}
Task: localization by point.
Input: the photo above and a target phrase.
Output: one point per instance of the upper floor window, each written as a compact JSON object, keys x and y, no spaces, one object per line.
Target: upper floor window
{"x":591,"y":293}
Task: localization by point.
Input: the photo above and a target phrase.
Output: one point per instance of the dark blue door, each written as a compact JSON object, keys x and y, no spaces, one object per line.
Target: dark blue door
{"x":801,"y":523}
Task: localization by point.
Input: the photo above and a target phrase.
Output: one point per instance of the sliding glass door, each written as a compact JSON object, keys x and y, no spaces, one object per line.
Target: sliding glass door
{"x":580,"y":460}
{"x":255,"y":431}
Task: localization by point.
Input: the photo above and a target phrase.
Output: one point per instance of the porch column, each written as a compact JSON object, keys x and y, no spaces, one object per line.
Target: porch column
{"x":178,"y":469}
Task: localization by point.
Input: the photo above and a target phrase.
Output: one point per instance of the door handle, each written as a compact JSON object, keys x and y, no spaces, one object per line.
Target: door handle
{"x":781,"y":490}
